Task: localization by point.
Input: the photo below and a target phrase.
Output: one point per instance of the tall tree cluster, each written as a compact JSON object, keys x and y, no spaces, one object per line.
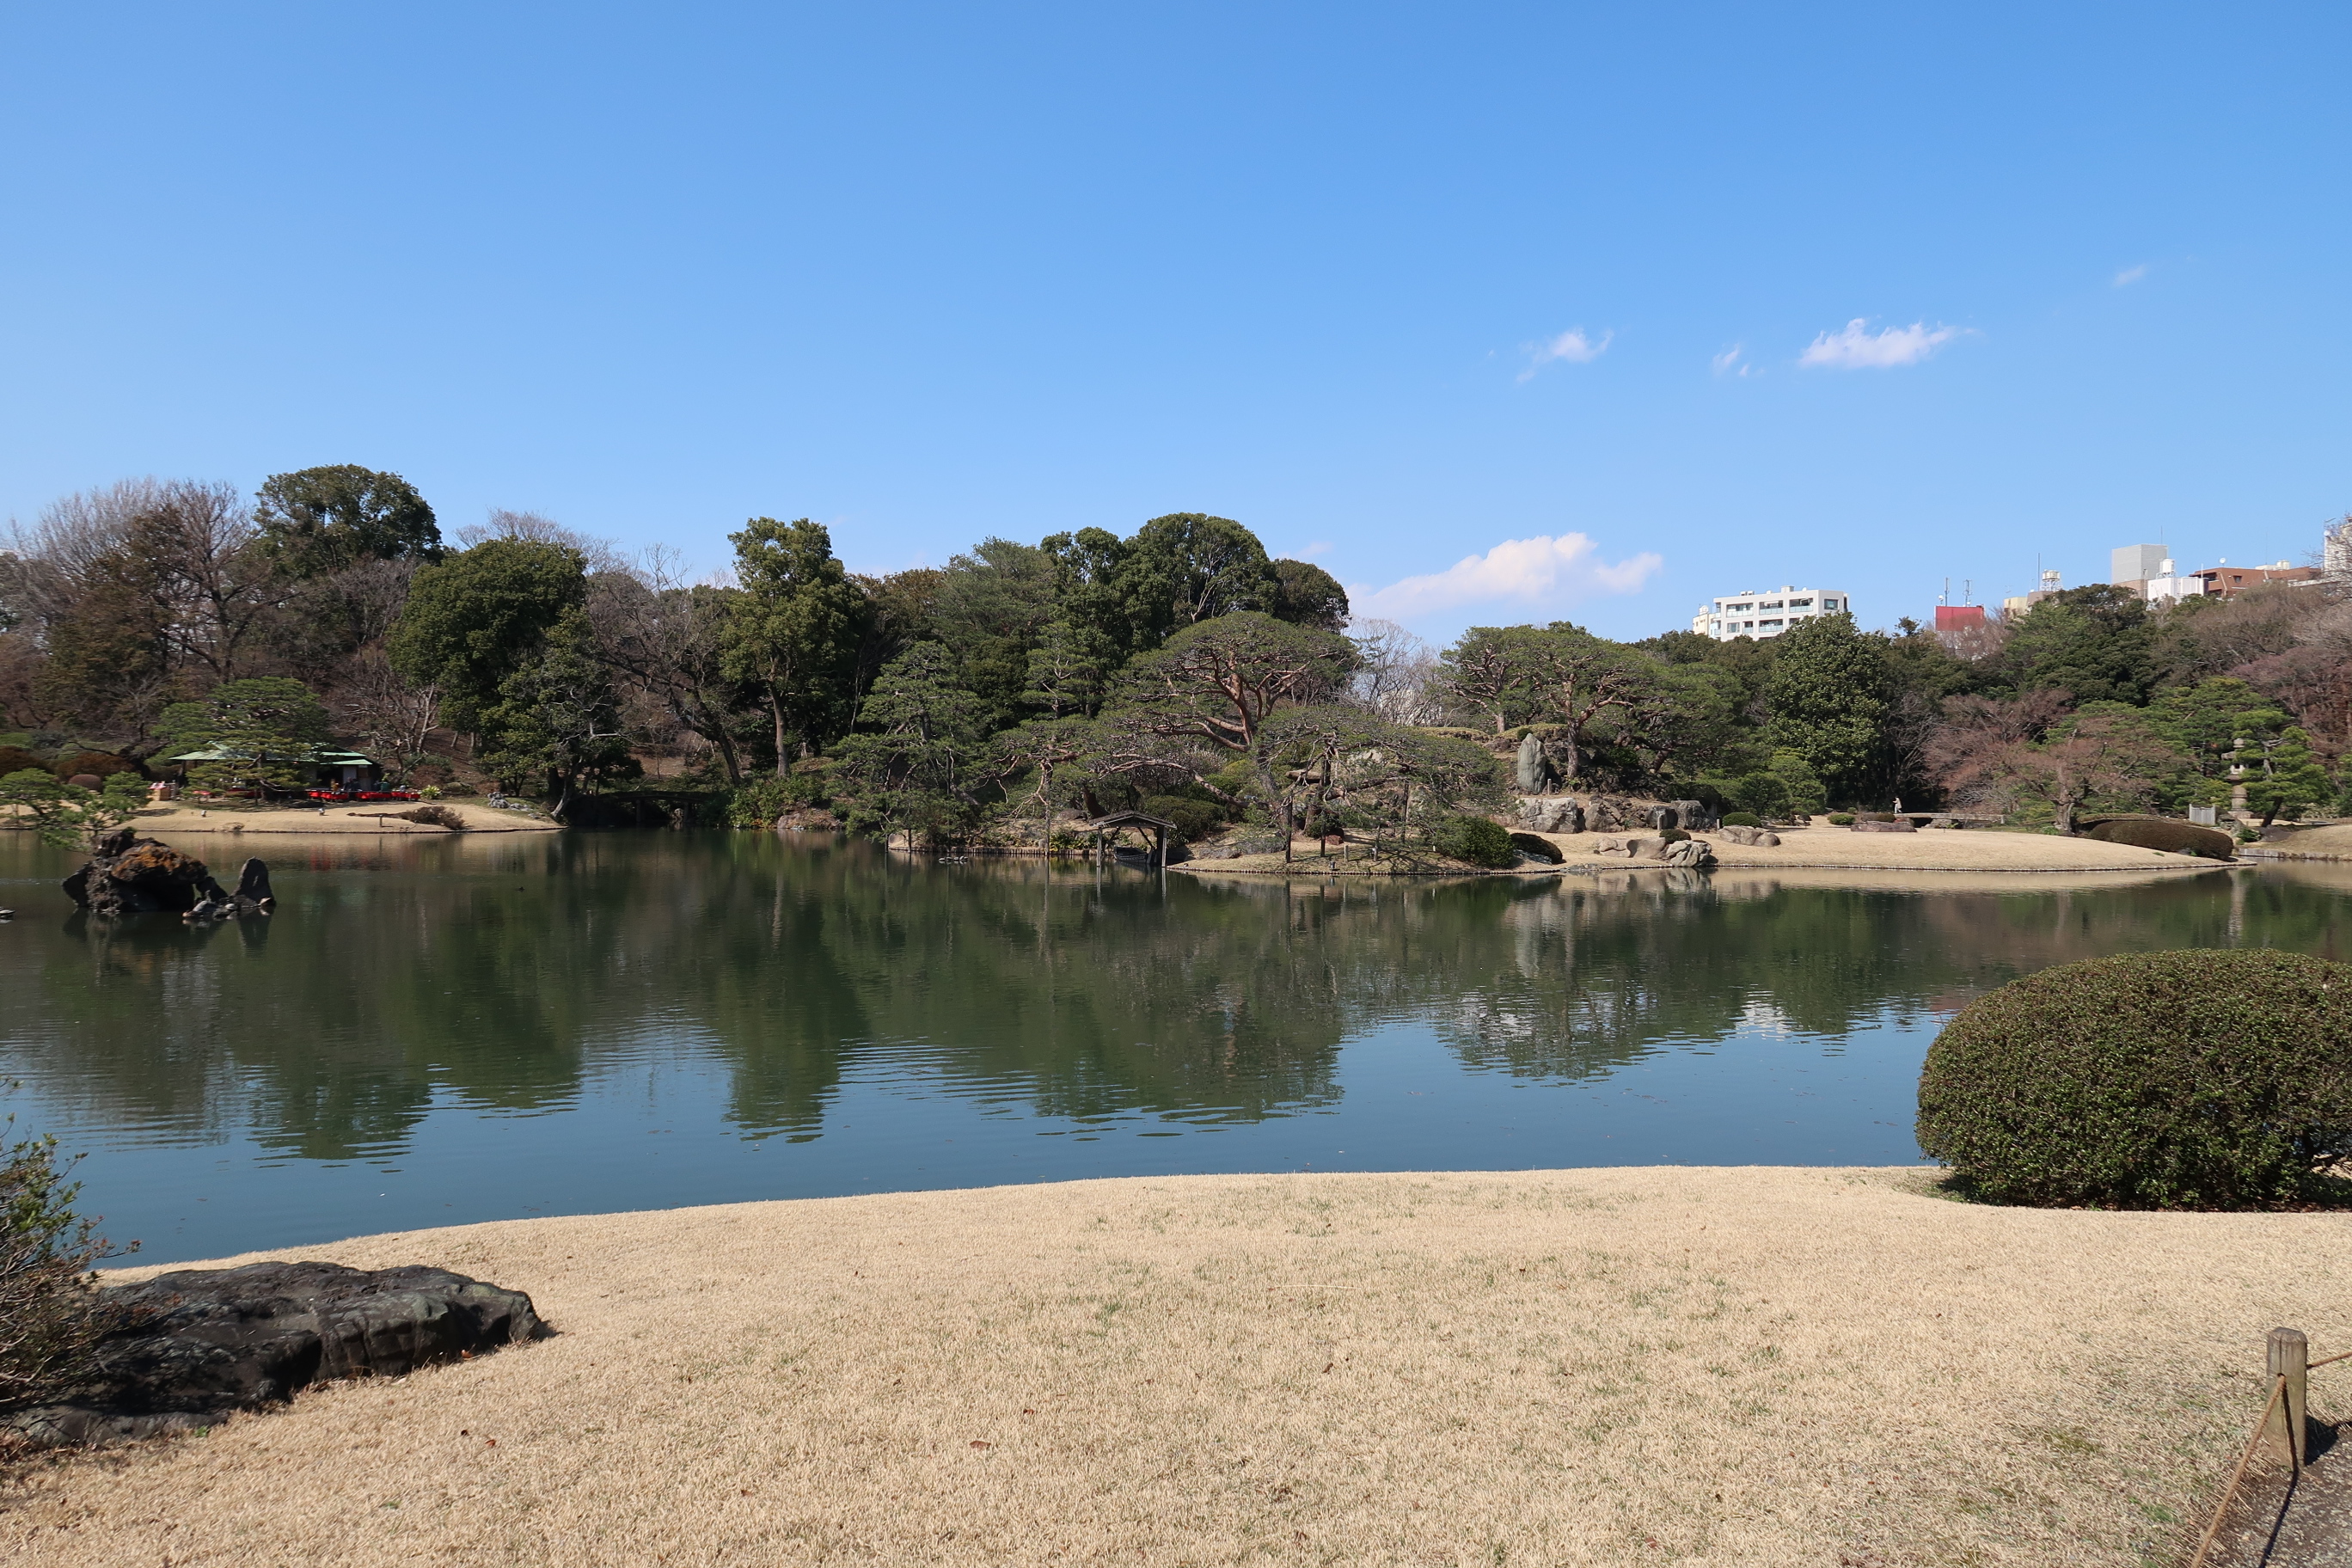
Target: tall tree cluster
{"x":1177,"y":669}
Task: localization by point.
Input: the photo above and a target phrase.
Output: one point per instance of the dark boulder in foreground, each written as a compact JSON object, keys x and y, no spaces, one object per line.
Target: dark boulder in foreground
{"x":128,"y":875}
{"x":204,"y":1344}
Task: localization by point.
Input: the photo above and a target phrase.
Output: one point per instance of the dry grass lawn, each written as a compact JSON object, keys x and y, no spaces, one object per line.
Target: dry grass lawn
{"x":1605,"y":1366}
{"x":378,"y":816}
{"x":1946,"y":849}
{"x":2333,"y":840}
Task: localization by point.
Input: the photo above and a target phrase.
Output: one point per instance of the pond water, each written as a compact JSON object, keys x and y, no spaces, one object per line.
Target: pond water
{"x":432,"y":1031}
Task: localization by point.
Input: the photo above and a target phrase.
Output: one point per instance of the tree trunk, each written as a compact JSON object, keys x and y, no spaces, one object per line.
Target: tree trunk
{"x":717,"y":736}
{"x":776,"y":711}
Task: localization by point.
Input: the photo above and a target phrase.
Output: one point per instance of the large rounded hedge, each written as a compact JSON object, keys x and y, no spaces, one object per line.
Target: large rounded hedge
{"x":2200,"y":1079}
{"x":2158,"y":832}
{"x":1475,"y":840}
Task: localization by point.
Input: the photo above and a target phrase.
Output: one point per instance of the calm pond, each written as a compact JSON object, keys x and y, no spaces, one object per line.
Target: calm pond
{"x":453,"y":1029}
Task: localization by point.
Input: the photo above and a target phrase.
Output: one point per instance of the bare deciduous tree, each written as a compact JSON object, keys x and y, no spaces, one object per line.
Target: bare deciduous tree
{"x":384,"y":713}
{"x":1397,"y":675}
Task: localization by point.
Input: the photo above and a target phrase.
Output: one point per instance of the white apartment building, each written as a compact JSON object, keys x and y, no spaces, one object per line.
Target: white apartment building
{"x":1751,"y":614}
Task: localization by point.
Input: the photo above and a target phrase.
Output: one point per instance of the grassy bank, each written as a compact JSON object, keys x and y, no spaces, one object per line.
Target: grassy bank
{"x":1638,"y":1365}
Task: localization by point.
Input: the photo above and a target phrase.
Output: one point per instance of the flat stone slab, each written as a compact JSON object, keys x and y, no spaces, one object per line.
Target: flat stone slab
{"x":205,"y":1343}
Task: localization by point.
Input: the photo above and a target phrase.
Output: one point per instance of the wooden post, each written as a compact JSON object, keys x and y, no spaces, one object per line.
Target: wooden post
{"x":2289,"y":1357}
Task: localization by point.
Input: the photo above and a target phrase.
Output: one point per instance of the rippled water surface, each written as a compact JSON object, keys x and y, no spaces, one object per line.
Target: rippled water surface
{"x":462,"y":1028}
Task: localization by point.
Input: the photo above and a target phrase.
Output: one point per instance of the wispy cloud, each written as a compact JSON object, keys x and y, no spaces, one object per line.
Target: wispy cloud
{"x":1730,"y":362}
{"x":1543,"y":570}
{"x":1309,"y":552}
{"x":2131,"y":275}
{"x":1572,"y":345}
{"x":1858,"y":348}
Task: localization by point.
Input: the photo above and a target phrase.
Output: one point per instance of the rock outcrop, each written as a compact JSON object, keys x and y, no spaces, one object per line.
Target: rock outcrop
{"x":1754,"y":837}
{"x":1694,"y":853}
{"x":1552,"y":814}
{"x":200,"y":1345}
{"x":128,"y":875}
{"x":1900,"y":825}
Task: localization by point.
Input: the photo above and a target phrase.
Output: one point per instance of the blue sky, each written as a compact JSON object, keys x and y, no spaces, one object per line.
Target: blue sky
{"x":1396,"y":286}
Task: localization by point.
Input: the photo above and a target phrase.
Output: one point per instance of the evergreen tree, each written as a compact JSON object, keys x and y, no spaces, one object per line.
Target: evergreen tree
{"x":559,"y":718}
{"x":921,"y":755}
{"x":794,"y":634}
{"x":1307,"y":595}
{"x":315,"y":522}
{"x":473,"y":620}
{"x":1188,"y":567}
{"x":1069,"y":669}
{"x":265,"y":733}
{"x":1829,"y":696}
{"x":2282,"y":776}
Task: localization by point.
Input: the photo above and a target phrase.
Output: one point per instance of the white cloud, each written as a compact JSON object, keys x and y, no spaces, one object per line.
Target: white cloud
{"x":1309,"y":552}
{"x":2131,"y":275}
{"x":1571,"y":345}
{"x":1857,"y":348}
{"x":1728,"y":361}
{"x":1527,"y":571}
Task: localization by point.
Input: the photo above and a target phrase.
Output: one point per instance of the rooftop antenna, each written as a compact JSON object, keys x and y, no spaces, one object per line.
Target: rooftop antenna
{"x":1968,"y":586}
{"x":1945,"y":597}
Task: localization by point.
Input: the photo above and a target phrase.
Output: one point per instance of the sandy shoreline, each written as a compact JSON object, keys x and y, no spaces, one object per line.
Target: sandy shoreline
{"x":372,"y":817}
{"x":1761,"y":1365}
{"x":1821,"y":848}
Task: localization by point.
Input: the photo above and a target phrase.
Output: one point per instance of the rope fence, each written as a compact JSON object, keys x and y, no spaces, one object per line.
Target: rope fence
{"x":2284,"y":1421}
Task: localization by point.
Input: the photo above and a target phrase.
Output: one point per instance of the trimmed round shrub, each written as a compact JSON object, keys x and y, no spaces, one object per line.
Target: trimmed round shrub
{"x":16,"y":760}
{"x":1673,"y":835}
{"x":2210,"y":1078}
{"x":1742,"y":819}
{"x":1841,"y":819}
{"x":2161,"y":833}
{"x":1194,"y":819}
{"x":1475,"y":840}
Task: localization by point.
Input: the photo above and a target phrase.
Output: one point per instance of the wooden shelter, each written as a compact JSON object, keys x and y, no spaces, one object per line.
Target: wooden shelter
{"x":1159,"y":827}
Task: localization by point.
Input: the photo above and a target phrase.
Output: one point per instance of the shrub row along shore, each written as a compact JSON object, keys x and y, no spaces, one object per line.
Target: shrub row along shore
{"x":1633,"y":1366}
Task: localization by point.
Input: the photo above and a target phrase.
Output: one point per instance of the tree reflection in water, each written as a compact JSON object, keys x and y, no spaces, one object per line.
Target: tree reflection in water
{"x":509,"y":974}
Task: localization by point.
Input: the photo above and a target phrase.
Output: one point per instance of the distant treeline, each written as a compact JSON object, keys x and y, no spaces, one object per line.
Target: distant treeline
{"x":1177,"y":668}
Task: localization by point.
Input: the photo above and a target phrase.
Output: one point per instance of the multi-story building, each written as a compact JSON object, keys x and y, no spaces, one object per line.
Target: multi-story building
{"x":1751,"y":614}
{"x":2229,"y":582}
{"x":2133,"y":564}
{"x":2336,"y":551}
{"x":2169,"y":586}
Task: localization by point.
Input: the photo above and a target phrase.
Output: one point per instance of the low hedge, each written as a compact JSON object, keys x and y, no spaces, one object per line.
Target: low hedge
{"x":2162,"y":833}
{"x":1475,"y":840}
{"x":1741,"y":819}
{"x":2210,"y":1078}
{"x":1841,"y":819}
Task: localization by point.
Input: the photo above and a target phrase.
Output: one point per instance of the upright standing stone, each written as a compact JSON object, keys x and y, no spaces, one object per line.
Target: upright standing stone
{"x":1534,"y":772}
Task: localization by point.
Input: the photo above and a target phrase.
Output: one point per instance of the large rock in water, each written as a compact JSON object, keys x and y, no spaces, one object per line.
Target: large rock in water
{"x":128,"y":875}
{"x":204,"y":1344}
